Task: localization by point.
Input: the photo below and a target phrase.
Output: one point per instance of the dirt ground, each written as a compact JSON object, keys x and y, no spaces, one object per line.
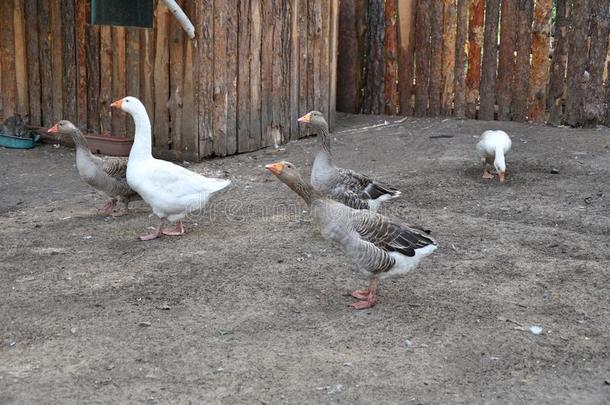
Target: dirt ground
{"x":250,"y":306}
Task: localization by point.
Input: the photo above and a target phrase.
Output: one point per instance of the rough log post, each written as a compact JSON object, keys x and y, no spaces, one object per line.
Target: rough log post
{"x":7,"y":61}
{"x":506,"y":62}
{"x":607,"y":120}
{"x":391,"y":59}
{"x":577,"y":61}
{"x":352,"y":26}
{"x":558,"y":65}
{"x":32,"y":59}
{"x":375,"y":37}
{"x":436,"y":58}
{"x":21,"y":65}
{"x":422,"y":57}
{"x":449,"y":33}
{"x":490,"y":61}
{"x":406,"y":55}
{"x":525,"y":11}
{"x":475,"y":41}
{"x":540,"y":60}
{"x":459,"y":88}
{"x":594,"y":95}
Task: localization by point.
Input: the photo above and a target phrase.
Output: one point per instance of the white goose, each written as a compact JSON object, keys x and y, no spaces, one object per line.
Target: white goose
{"x":492,"y":147}
{"x":171,"y":190}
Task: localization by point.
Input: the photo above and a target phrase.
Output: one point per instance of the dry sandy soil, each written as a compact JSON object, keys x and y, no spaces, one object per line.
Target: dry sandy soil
{"x":250,"y":306}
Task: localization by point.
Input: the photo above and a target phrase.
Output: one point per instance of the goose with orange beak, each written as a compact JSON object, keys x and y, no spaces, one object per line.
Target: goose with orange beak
{"x":172,"y":191}
{"x":346,"y":186}
{"x":379,"y":246}
{"x":492,"y":147}
{"x":107,"y":174}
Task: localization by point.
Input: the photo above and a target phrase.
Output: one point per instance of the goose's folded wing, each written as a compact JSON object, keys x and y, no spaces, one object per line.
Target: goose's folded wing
{"x":353,"y":180}
{"x":115,"y":166}
{"x":364,"y":186}
{"x":179,"y":181}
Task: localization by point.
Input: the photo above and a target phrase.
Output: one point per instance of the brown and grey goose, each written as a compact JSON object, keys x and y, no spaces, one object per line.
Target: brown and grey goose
{"x":380,"y":246}
{"x":104,"y":173}
{"x":347,"y":186}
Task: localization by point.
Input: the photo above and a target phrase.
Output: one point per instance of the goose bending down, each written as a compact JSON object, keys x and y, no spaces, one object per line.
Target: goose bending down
{"x":171,"y":190}
{"x":380,"y":246}
{"x":347,"y":186}
{"x":107,"y":174}
{"x":492,"y":147}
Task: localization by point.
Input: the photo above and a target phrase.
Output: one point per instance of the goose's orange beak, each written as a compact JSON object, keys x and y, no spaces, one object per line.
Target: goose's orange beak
{"x":54,"y":129}
{"x":501,"y":177}
{"x":117,"y":104}
{"x":275,"y":168}
{"x":305,"y":118}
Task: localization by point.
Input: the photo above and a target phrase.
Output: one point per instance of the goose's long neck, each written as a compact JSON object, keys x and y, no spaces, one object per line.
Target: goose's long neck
{"x":79,"y":141}
{"x":305,"y":190}
{"x":499,"y":160}
{"x":325,"y":138}
{"x":142,"y":143}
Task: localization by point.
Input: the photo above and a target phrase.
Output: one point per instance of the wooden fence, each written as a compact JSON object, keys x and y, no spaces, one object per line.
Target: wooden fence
{"x":520,"y":60}
{"x":254,"y":66}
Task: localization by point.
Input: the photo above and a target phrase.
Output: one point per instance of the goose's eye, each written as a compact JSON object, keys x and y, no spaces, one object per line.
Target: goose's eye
{"x":127,"y":101}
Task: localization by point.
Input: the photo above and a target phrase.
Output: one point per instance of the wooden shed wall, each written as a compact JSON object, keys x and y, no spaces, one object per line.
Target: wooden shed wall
{"x":240,"y":85}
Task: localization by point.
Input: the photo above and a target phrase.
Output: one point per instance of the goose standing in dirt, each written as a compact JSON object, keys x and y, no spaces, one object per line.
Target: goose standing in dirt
{"x":380,"y":247}
{"x":347,"y":186}
{"x":492,"y":147}
{"x":107,"y":174}
{"x":171,"y":190}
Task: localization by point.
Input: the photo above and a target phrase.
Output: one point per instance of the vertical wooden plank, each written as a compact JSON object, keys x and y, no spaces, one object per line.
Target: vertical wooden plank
{"x":56,"y":59}
{"x":304,"y":62}
{"x":255,"y":75}
{"x":506,"y":62}
{"x":32,"y":54}
{"x":68,"y":39}
{"x":449,"y":36}
{"x":220,"y":85}
{"x":539,"y":76}
{"x":118,"y":78}
{"x":475,"y":41}
{"x":243,"y":77}
{"x":490,"y":61}
{"x":391,"y":59}
{"x":267,"y":72}
{"x":459,"y":88}
{"x":286,"y":11}
{"x":607,"y":121}
{"x":204,"y":75}
{"x":324,"y":44}
{"x":46,"y":78}
{"x":21,"y":66}
{"x":231,"y":78}
{"x":132,"y":70}
{"x":310,"y":57}
{"x":83,"y":82}
{"x":316,"y":27}
{"x":422,"y":57}
{"x":351,"y":55}
{"x":190,"y":144}
{"x":594,"y":109}
{"x":406,"y":54}
{"x":334,"y":38}
{"x":294,"y":68}
{"x":558,"y":64}
{"x":147,"y":63}
{"x":176,"y":81}
{"x":105,"y":79}
{"x":375,"y":65}
{"x":92,"y":90}
{"x":525,"y":10}
{"x":436,"y":58}
{"x":7,"y":60}
{"x":161,"y":78}
{"x":577,"y":61}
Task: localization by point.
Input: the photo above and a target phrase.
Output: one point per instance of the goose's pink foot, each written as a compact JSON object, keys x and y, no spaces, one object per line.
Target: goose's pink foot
{"x":368,"y":296}
{"x":151,"y":236}
{"x":361,"y":294}
{"x":177,"y":231}
{"x":108,"y":207}
{"x":487,"y":175}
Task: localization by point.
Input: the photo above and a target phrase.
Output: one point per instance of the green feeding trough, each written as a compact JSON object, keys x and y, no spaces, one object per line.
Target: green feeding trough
{"x":16,"y":142}
{"x":130,"y":13}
